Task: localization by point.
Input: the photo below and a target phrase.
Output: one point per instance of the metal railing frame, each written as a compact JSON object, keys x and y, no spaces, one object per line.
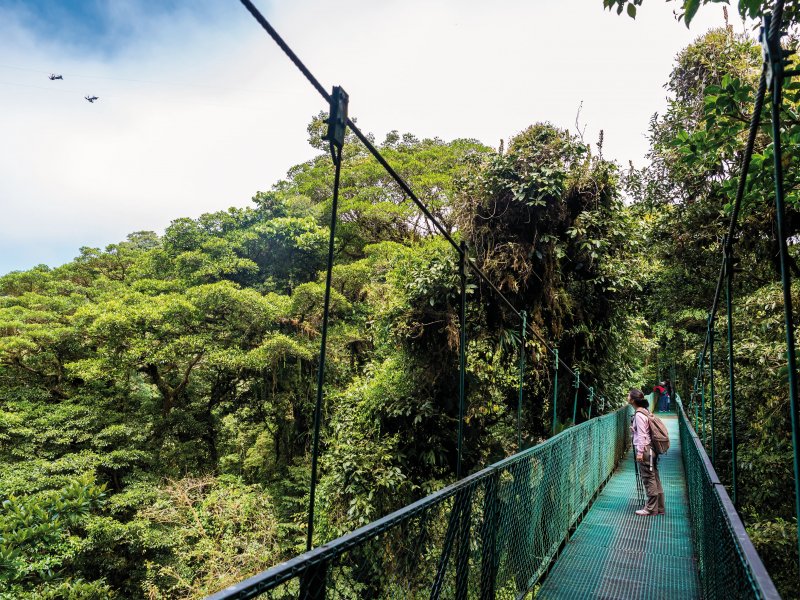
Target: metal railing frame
{"x":313,"y":565}
{"x":749,"y":561}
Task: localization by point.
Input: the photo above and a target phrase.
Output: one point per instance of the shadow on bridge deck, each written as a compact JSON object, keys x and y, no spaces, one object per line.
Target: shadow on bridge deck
{"x":615,"y":555}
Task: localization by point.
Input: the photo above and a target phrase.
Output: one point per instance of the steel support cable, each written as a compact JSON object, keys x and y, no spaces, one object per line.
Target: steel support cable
{"x":755,"y":122}
{"x":323,"y":348}
{"x":389,"y":169}
{"x":776,"y":21}
{"x":485,"y":278}
{"x":462,"y":354}
{"x":577,"y":386}
{"x":703,"y":403}
{"x":402,"y":183}
{"x":364,"y":140}
{"x":523,"y":331}
{"x":711,"y":396}
{"x":555,"y":392}
{"x":286,"y":49}
{"x":776,"y":55}
{"x":700,"y":390}
{"x":726,"y":269}
{"x":731,"y":373}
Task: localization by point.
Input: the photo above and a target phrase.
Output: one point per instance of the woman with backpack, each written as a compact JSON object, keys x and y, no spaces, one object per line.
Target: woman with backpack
{"x":646,"y":458}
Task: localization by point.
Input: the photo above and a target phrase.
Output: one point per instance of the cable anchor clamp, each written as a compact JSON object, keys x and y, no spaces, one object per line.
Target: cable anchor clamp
{"x":775,"y":57}
{"x":337,"y":121}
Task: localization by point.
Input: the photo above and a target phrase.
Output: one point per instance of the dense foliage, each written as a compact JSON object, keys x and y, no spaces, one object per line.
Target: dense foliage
{"x":156,"y":397}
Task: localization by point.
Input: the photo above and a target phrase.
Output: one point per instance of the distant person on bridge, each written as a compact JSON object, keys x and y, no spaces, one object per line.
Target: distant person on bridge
{"x":659,"y":396}
{"x":646,"y":459}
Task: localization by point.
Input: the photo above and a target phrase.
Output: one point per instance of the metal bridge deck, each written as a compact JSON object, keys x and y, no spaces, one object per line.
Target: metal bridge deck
{"x":616,"y":555}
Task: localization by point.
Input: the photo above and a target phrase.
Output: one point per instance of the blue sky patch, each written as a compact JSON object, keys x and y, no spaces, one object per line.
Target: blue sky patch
{"x":100,"y":26}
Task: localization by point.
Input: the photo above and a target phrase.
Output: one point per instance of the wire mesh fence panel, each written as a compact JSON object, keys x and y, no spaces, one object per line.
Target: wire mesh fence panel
{"x":490,"y":535}
{"x":728,"y":563}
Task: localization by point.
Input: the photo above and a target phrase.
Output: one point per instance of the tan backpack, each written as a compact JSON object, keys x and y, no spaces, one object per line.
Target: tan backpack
{"x":659,"y":434}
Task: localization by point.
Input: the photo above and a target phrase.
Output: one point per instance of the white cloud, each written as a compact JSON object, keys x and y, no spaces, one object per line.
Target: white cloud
{"x":197,"y":114}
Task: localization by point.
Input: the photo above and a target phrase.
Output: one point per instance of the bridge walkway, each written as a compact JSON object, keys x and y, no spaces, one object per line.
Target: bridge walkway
{"x":617,"y":555}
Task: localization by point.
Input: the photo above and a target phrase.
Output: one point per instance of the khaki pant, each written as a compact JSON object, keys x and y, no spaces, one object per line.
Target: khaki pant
{"x":648,"y":470}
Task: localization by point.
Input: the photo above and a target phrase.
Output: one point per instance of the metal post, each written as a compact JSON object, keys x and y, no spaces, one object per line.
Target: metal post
{"x":462,"y":553}
{"x":775,"y":59}
{"x":575,"y":402}
{"x":491,"y":519}
{"x":313,"y":580}
{"x":731,"y":387}
{"x":521,"y":377}
{"x":454,"y":523}
{"x":711,"y":393}
{"x":462,"y":352}
{"x":322,"y":349}
{"x":591,"y":401}
{"x":555,"y":394}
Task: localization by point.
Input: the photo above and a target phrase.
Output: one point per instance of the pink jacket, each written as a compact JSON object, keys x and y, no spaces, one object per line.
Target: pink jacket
{"x":641,"y":430}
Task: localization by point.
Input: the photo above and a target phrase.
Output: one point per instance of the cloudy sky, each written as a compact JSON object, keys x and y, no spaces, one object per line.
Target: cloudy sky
{"x":198,"y":109}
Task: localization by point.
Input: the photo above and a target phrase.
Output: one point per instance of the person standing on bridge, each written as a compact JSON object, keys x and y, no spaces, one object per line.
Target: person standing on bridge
{"x":646,"y":459}
{"x":663,"y":401}
{"x":658,"y":396}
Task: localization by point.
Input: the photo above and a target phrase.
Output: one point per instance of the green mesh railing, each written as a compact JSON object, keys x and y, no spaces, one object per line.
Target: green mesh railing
{"x":491,"y":535}
{"x":728,"y":563}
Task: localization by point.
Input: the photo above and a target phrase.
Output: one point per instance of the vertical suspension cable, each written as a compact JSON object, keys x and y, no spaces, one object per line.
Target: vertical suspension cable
{"x":521,"y":376}
{"x":575,"y":402}
{"x":462,"y":352}
{"x":703,"y":402}
{"x":711,"y":393}
{"x":726,"y":272}
{"x":776,"y":55}
{"x":555,"y":392}
{"x":658,"y":369}
{"x":731,"y":387}
{"x":322,"y":351}
{"x":674,"y":381}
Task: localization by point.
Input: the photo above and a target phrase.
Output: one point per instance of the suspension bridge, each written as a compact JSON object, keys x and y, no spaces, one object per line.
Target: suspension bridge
{"x":555,"y":520}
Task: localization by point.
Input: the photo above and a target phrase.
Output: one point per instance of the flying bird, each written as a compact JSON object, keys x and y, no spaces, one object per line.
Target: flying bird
{"x":91,"y":98}
{"x":53,"y":77}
